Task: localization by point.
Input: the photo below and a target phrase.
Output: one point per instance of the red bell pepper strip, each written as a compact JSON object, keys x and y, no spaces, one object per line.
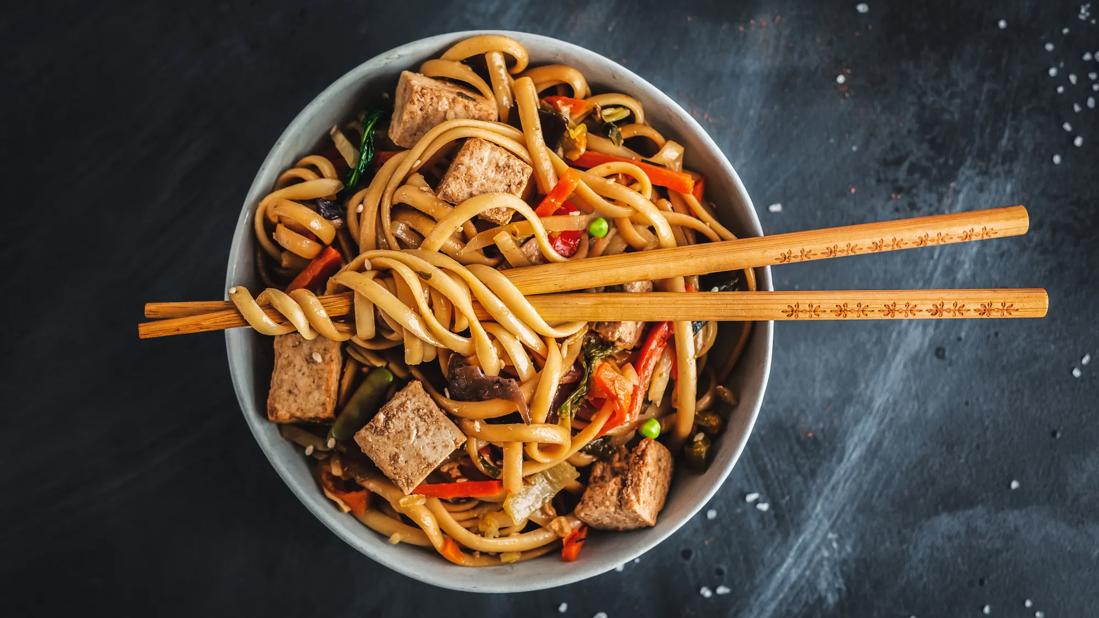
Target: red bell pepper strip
{"x":357,"y":501}
{"x":700,"y":187}
{"x":647,"y":356}
{"x":608,"y":384}
{"x":318,"y":271}
{"x":680,"y":182}
{"x":573,"y":107}
{"x":573,"y":543}
{"x":566,"y":243}
{"x":558,"y":194}
{"x":466,"y":489}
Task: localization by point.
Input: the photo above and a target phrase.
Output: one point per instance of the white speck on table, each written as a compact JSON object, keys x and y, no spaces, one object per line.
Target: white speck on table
{"x":1076,"y":107}
{"x":763,"y":506}
{"x":1053,"y":71}
{"x":1076,"y":373}
{"x":1072,"y":78}
{"x":1002,"y":24}
{"x":722,"y":589}
{"x":752,"y":497}
{"x":776,"y":207}
{"x":711,"y":514}
{"x":620,"y":568}
{"x":1049,"y":46}
{"x":841,"y":78}
{"x":705,"y":592}
{"x":1067,"y":127}
{"x":599,"y":615}
{"x":1039,"y":614}
{"x":986,"y":610}
{"x":1087,"y":56}
{"x":1028,"y":603}
{"x":1060,"y":89}
{"x":562,"y":608}
{"x":1014,"y":484}
{"x":1085,"y":359}
{"x":1056,"y":159}
{"x":1078,"y":141}
{"x":862,"y":7}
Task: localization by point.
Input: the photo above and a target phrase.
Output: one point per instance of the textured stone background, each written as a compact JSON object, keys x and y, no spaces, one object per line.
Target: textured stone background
{"x":131,"y":486}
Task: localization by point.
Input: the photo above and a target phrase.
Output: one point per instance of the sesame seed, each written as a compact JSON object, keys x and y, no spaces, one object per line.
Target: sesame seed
{"x":1049,"y":46}
{"x":776,"y":207}
{"x":841,"y":78}
{"x":233,"y":290}
{"x":1056,"y":159}
{"x":986,"y":610}
{"x":1014,"y":484}
{"x":1072,"y":78}
{"x":722,"y":589}
{"x":562,"y":608}
{"x":1028,"y":603}
{"x":316,"y":356}
{"x":1053,"y":71}
{"x":862,"y":7}
{"x":752,"y":497}
{"x":1078,"y":141}
{"x":699,"y":436}
{"x":309,"y":450}
{"x":711,"y":514}
{"x":395,"y":538}
{"x":1086,"y":359}
{"x":359,"y":208}
{"x":705,"y":592}
{"x":1067,"y":127}
{"x":763,"y":506}
{"x":1076,"y":373}
{"x":1002,"y":24}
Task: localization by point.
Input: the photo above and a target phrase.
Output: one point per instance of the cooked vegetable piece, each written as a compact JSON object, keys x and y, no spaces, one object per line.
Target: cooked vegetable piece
{"x":465,"y":489}
{"x":593,"y":350}
{"x":469,"y":383}
{"x":647,"y":358}
{"x":680,"y":182}
{"x":366,"y":150}
{"x":558,"y":194}
{"x":608,"y":384}
{"x":330,"y":209}
{"x":355,"y":501}
{"x":539,"y":489}
{"x":651,"y":428}
{"x":696,"y":453}
{"x":317,"y":272}
{"x":573,"y":543}
{"x":574,"y":108}
{"x":554,"y":125}
{"x":710,"y":422}
{"x":362,"y":404}
{"x":599,"y":227}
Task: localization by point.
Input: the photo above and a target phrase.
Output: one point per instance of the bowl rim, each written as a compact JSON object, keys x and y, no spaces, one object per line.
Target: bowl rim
{"x":307,"y":495}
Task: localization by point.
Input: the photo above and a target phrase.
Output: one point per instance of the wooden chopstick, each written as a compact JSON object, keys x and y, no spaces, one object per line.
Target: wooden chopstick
{"x":719,"y":306}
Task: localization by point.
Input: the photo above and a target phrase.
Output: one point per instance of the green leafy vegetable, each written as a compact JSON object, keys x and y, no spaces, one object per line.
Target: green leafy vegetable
{"x":366,"y":149}
{"x":593,"y":351}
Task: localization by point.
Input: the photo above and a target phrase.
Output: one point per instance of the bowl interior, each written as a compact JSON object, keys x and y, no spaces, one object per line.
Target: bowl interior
{"x":250,"y":355}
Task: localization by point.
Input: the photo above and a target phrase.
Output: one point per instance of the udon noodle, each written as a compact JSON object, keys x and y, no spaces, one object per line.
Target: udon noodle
{"x":603,"y":182}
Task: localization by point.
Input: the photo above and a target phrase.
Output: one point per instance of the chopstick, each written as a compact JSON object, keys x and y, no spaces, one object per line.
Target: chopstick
{"x":717,"y":306}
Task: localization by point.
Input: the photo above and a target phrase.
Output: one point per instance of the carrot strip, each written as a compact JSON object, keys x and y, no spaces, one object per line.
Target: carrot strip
{"x":318,"y":271}
{"x":681,"y":182}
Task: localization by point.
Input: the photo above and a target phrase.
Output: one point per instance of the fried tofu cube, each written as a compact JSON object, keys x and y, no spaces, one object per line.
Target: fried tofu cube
{"x":627,"y":492}
{"x":305,"y":380}
{"x":483,"y":167}
{"x":422,"y":102}
{"x":625,"y":335}
{"x":409,"y":437}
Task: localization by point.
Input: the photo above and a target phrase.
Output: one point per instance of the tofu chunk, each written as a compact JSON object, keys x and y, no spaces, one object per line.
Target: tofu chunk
{"x":422,"y":102}
{"x":629,"y":491}
{"x":305,"y":381}
{"x":409,"y":437}
{"x":483,"y":167}
{"x":625,"y":334}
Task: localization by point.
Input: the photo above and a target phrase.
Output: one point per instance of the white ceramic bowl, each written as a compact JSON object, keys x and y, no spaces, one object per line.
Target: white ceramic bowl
{"x":250,"y":355}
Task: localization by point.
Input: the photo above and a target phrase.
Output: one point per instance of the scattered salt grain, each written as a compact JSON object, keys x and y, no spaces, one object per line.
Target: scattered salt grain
{"x":1076,"y":107}
{"x":1095,"y":87}
{"x":1093,"y":75}
{"x":841,"y":78}
{"x":1085,"y":359}
{"x":1053,"y":71}
{"x":711,"y":514}
{"x":705,"y":592}
{"x":600,"y":615}
{"x":1064,"y":30}
{"x":1060,"y":89}
{"x":1039,"y":614}
{"x":723,"y":589}
{"x":776,"y":207}
{"x":1056,"y":159}
{"x":763,"y":506}
{"x":1002,"y":24}
{"x":986,"y":610}
{"x":1028,"y":603}
{"x":752,"y":497}
{"x":1076,"y":373}
{"x":1067,"y":127}
{"x":620,"y":568}
{"x":1078,"y":141}
{"x":1091,"y":102}
{"x":862,"y":7}
{"x":1049,"y":46}
{"x":1087,"y":56}
{"x":1072,"y":78}
{"x":562,"y":608}
{"x":1014,"y":484}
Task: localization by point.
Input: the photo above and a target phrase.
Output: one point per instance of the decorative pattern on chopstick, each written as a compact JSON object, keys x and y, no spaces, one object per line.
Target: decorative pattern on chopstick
{"x":880,"y":245}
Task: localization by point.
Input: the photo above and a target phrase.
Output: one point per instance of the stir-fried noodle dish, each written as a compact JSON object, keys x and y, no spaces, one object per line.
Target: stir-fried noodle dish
{"x":443,"y":411}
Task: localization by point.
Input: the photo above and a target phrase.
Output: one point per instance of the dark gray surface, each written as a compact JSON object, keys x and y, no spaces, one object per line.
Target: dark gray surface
{"x":885,"y":451}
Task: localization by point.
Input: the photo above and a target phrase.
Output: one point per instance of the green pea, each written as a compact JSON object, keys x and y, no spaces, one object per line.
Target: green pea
{"x":651,"y":428}
{"x":599,"y":227}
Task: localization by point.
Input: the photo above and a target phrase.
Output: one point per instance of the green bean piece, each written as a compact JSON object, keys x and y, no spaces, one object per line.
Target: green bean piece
{"x":362,"y":404}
